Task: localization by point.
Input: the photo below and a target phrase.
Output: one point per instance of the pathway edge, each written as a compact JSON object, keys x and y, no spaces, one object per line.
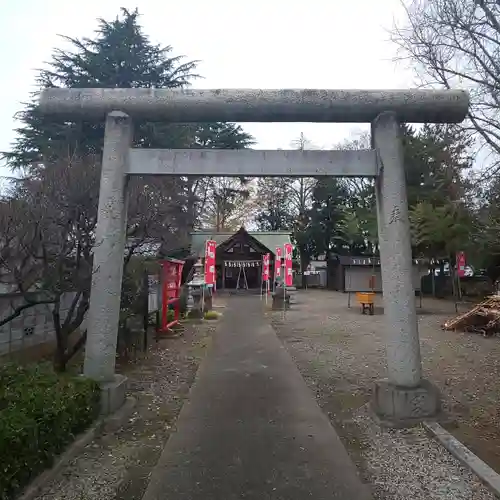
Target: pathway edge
{"x":481,"y":469}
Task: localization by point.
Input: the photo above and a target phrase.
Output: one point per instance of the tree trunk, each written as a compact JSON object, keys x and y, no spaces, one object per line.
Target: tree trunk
{"x":61,"y":341}
{"x":59,"y":362}
{"x":217,"y":223}
{"x":304,"y":262}
{"x":443,"y":290}
{"x":61,"y":359}
{"x":75,"y":315}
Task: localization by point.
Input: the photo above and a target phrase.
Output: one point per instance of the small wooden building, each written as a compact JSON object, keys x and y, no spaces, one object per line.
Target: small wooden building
{"x":238,"y":256}
{"x":360,"y":274}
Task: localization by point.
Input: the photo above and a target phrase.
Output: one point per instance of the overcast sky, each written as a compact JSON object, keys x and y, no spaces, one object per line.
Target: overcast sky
{"x":249,"y":44}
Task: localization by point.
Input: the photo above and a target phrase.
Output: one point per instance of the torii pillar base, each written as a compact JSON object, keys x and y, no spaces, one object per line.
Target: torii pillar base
{"x":399,"y":407}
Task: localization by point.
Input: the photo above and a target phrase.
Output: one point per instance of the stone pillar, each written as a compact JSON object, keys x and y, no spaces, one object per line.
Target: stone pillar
{"x":103,"y":315}
{"x":404,"y":395}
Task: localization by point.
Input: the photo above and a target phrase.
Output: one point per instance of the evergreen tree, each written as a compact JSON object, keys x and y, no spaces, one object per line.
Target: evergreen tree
{"x":488,"y":237}
{"x":328,"y":214}
{"x":437,"y":160}
{"x":120,"y":55}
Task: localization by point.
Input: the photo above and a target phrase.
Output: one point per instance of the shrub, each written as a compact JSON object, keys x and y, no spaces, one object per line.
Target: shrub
{"x":211,"y":315}
{"x":170,"y":315}
{"x":40,"y":413}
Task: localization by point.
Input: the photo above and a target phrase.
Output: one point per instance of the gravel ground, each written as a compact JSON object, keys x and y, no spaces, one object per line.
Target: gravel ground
{"x":117,"y":466}
{"x":407,"y":463}
{"x":341,"y":353}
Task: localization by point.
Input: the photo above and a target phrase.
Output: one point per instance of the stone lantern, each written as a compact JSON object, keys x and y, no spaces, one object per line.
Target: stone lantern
{"x":198,"y":289}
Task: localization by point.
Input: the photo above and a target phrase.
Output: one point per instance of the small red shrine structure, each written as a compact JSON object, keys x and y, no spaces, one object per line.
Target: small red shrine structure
{"x":170,"y":283}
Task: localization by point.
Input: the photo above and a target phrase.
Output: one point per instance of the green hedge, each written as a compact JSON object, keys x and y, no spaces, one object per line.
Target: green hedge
{"x":40,"y":413}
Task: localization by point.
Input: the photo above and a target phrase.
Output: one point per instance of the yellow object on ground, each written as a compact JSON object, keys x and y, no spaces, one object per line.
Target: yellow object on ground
{"x":366,"y":300}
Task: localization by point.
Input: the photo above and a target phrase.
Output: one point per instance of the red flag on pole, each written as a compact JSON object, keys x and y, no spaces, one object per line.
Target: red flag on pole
{"x":461,"y":263}
{"x":210,"y":262}
{"x":265,"y":267}
{"x":277,"y":263}
{"x":288,"y":265}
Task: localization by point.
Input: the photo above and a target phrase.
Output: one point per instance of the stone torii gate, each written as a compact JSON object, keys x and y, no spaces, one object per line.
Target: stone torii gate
{"x":404,"y":396}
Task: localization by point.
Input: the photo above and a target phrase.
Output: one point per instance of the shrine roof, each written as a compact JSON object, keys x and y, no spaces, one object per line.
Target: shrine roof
{"x":270,"y":239}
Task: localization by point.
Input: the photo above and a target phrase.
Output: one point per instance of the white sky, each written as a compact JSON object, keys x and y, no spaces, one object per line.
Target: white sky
{"x":249,"y":44}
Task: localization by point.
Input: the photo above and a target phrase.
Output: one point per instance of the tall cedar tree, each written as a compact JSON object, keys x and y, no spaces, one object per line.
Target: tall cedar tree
{"x":120,"y":55}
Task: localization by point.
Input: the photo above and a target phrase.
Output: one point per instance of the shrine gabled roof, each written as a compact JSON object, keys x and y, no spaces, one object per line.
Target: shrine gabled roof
{"x":270,"y":239}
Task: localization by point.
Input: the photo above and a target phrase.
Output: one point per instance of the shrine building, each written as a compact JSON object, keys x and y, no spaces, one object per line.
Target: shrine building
{"x":238,"y":256}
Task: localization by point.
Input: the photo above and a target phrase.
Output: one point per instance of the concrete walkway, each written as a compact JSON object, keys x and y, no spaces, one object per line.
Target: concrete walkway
{"x":252,"y":429}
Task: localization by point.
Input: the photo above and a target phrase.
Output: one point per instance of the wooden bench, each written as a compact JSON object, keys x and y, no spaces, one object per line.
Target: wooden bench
{"x":366,"y":300}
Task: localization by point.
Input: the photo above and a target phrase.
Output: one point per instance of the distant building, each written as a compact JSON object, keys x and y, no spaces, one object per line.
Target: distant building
{"x":362,"y":273}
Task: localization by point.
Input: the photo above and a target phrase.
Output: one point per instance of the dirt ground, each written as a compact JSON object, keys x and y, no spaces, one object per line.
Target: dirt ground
{"x":117,"y":465}
{"x":340,"y":353}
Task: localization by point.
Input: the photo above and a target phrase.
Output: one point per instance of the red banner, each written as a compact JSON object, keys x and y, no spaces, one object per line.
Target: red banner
{"x":288,"y":264}
{"x":265,"y":267}
{"x":210,"y":262}
{"x":277,"y":262}
{"x":461,"y":263}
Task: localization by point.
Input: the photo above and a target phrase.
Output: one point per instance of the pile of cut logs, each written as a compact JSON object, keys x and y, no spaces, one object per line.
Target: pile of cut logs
{"x":483,"y":318}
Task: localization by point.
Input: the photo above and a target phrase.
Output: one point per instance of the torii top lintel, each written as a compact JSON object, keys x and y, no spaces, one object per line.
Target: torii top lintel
{"x":256,"y":105}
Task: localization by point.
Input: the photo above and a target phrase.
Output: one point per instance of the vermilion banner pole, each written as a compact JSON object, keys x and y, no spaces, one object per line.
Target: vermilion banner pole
{"x":288,"y":278}
{"x":277,"y":266}
{"x":210,"y":246}
{"x":265,"y":273}
{"x":288,"y":264}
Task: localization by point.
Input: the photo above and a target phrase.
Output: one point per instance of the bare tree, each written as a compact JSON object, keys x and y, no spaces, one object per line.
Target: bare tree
{"x":47,"y":237}
{"x":455,"y":43}
{"x":49,"y":258}
{"x":227,"y":203}
{"x":18,"y":271}
{"x":302,"y":143}
{"x":158,"y":213}
{"x":302,"y":188}
{"x":361,"y":188}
